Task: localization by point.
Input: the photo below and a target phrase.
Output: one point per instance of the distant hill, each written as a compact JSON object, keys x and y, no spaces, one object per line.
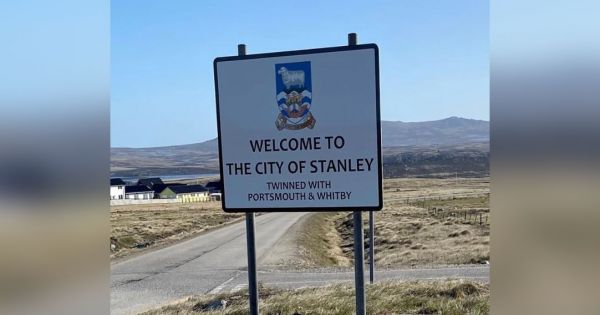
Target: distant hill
{"x":453,"y":130}
{"x":197,"y":158}
{"x":465,"y":160}
{"x":452,"y":135}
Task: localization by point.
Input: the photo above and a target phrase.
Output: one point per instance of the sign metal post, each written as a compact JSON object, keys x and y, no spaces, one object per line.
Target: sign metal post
{"x":252,"y":283}
{"x":371,"y":247}
{"x":359,"y":264}
{"x":359,"y":247}
{"x":250,"y":243}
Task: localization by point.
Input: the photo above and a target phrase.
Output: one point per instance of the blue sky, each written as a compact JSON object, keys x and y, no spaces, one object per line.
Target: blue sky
{"x":434,"y":57}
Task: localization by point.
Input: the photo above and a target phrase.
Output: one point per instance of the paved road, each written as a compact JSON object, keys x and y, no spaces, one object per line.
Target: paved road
{"x":216,"y":262}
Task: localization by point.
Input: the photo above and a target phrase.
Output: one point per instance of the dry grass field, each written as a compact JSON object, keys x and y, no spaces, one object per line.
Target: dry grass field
{"x":450,"y":297}
{"x":135,"y":228}
{"x":423,"y":222}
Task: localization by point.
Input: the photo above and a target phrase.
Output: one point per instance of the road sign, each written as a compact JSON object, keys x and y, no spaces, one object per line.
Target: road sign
{"x":300,"y":130}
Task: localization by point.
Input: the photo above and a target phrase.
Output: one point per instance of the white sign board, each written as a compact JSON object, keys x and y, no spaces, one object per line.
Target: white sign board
{"x":300,"y":130}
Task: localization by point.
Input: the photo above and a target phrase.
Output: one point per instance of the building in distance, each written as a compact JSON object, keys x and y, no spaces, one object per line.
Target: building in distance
{"x":138,"y":192}
{"x":158,"y":188}
{"x":186,"y":193}
{"x":150,"y":181}
{"x":117,"y":189}
{"x":215,"y":187}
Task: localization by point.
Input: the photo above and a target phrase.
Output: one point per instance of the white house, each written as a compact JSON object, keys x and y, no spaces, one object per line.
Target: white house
{"x":216,"y":196}
{"x":117,"y":189}
{"x":138,"y":192}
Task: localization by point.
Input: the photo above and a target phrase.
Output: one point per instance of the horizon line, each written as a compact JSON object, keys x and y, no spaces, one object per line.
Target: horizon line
{"x":215,"y":137}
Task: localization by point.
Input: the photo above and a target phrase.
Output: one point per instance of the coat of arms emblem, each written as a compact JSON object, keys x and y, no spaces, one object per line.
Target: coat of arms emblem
{"x":294,"y":96}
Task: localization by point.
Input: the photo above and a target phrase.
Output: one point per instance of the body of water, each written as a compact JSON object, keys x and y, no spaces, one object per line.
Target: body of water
{"x":133,"y":180}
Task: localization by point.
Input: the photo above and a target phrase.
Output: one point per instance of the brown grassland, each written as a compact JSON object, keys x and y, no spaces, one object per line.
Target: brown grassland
{"x":423,"y":222}
{"x":448,"y":297}
{"x":135,"y":228}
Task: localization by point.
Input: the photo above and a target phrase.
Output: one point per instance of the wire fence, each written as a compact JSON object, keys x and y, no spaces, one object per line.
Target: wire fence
{"x":478,"y":216}
{"x":417,"y":199}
